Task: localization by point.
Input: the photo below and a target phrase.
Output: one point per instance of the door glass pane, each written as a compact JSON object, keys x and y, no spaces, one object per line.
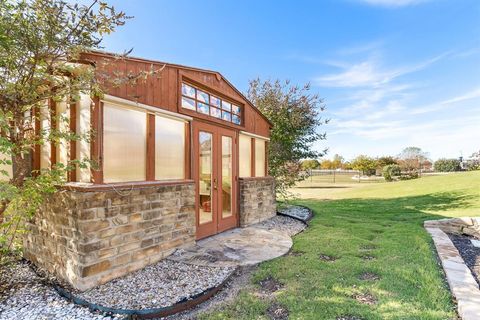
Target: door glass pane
{"x":226,"y":177}
{"x":205,"y":177}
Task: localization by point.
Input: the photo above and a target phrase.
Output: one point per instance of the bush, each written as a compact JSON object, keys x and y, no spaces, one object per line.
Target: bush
{"x":409,"y":176}
{"x":447,"y":165}
{"x":390,"y":171}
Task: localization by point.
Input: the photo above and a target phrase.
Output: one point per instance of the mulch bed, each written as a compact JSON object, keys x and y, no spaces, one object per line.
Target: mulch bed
{"x":349,"y":317}
{"x":327,"y":258}
{"x":365,"y":298}
{"x":469,"y":253}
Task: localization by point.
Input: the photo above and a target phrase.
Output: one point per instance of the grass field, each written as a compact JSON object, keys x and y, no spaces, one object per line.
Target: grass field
{"x":352,"y":221}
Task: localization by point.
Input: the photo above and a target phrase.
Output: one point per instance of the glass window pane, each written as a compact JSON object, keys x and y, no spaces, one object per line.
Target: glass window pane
{"x":203,"y":108}
{"x":235,"y":109}
{"x":205,"y":177}
{"x":188,"y":91}
{"x":169,"y":148}
{"x":188,"y":103}
{"x":245,"y":156}
{"x":216,"y":102}
{"x":236,"y":119}
{"x":226,"y":116}
{"x":227,"y":176}
{"x":226,"y":106}
{"x":202,"y":96}
{"x":214,"y":112}
{"x":259,"y":158}
{"x":124,"y":144}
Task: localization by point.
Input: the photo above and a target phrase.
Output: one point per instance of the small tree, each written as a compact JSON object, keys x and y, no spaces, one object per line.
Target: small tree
{"x":391,"y":171}
{"x":295,"y":114}
{"x":40,"y":46}
{"x":447,"y":165}
{"x":326,"y":164}
{"x":365,"y":164}
{"x":385,"y":161}
{"x":310,"y":164}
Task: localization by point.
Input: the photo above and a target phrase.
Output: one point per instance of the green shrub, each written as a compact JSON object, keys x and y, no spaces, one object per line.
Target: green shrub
{"x":447,"y":165}
{"x":390,"y":171}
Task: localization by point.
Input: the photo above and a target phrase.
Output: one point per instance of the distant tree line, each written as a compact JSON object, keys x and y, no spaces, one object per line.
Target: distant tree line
{"x":406,"y":165}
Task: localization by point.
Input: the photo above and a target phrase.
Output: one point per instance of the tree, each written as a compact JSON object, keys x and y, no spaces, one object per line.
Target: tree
{"x":295,"y":114}
{"x":447,"y":165}
{"x":326,"y":164}
{"x":411,"y":158}
{"x":40,"y":46}
{"x":385,"y":161}
{"x":365,"y":164}
{"x":310,"y":164}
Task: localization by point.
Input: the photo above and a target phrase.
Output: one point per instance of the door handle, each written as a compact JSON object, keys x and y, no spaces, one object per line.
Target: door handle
{"x":215,"y":184}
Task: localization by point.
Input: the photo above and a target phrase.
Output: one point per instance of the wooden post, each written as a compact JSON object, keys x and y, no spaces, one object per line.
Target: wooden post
{"x":150,"y":161}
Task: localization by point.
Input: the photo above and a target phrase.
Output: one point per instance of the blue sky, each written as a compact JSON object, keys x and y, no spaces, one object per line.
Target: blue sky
{"x":393,"y":73}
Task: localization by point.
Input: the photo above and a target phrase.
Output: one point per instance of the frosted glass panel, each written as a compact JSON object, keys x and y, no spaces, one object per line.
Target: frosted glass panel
{"x":259,"y":158}
{"x":169,"y":148}
{"x":245,"y":157}
{"x":124,"y":144}
{"x":63,"y":126}
{"x":227,"y":170}
{"x":6,"y":167}
{"x":45,"y":148}
{"x":83,"y":128}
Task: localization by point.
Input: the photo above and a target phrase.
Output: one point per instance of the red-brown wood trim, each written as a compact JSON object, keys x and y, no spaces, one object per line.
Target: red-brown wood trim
{"x":188,"y":151}
{"x":82,"y":187}
{"x":37,"y":147}
{"x":72,"y":175}
{"x":150,"y":155}
{"x":53,"y":126}
{"x":96,"y":145}
{"x":252,"y":154}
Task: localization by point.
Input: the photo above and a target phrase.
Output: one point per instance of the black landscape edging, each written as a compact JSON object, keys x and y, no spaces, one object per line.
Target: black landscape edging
{"x":306,"y":221}
{"x":180,"y":306}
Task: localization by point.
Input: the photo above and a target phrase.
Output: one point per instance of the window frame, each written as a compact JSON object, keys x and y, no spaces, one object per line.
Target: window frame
{"x":240,"y":114}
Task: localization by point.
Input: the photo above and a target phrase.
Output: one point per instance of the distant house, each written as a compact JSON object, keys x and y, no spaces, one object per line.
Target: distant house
{"x":181,"y":156}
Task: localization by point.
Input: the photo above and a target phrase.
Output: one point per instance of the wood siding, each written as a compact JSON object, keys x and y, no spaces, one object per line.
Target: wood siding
{"x":163,"y":89}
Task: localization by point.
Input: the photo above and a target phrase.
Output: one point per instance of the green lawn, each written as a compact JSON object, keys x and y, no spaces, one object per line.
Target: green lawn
{"x":382,"y":220}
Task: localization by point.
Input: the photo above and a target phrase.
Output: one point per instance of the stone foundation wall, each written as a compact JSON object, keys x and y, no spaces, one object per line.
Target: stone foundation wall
{"x":257,"y":200}
{"x":89,"y":238}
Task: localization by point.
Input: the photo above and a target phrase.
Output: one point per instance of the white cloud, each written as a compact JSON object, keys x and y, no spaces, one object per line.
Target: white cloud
{"x":370,"y":73}
{"x":393,"y":3}
{"x":467,"y":96}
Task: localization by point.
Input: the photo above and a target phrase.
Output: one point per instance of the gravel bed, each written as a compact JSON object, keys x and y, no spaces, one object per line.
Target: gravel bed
{"x":298,"y":212}
{"x":158,"y":285}
{"x":282,"y":223}
{"x":24,"y":295}
{"x":469,"y":253}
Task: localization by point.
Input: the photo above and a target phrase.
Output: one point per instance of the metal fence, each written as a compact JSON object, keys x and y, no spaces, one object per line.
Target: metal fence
{"x":339,"y":176}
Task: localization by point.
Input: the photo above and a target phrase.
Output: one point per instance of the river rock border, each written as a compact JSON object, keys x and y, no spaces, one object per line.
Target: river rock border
{"x":462,"y":284}
{"x":152,"y":313}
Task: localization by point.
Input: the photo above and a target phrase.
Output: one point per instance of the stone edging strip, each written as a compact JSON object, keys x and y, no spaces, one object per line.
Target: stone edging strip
{"x":148,"y":313}
{"x":306,"y":221}
{"x":462,"y":284}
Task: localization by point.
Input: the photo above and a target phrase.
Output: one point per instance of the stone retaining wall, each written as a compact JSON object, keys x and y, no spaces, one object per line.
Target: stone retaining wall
{"x":464,"y":225}
{"x":257,"y":200}
{"x":89,"y":238}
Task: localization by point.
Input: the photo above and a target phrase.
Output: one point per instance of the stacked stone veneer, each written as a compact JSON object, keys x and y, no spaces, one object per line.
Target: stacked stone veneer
{"x":257,"y":200}
{"x":89,"y":238}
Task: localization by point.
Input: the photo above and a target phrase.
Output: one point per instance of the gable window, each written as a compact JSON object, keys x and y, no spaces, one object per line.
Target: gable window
{"x":209,"y":104}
